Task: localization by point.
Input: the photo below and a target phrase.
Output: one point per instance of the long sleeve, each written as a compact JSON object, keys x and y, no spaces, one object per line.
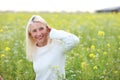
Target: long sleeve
{"x":68,"y":40}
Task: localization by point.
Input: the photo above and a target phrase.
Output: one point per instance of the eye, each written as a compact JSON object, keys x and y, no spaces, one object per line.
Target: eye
{"x":34,"y":30}
{"x":41,"y":28}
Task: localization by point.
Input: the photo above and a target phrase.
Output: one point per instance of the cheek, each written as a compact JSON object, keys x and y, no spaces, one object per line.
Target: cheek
{"x":32,"y":35}
{"x":45,"y":33}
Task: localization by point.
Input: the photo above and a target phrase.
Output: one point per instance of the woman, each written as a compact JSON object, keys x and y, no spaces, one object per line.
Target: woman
{"x":46,"y":48}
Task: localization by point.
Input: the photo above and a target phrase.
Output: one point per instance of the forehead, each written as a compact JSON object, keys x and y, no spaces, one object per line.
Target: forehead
{"x":36,"y":25}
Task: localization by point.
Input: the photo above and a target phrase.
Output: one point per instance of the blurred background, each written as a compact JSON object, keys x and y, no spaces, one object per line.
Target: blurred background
{"x":58,"y":5}
{"x":95,"y":22}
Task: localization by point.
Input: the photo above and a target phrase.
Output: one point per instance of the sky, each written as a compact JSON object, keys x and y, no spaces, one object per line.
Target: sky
{"x":57,"y":5}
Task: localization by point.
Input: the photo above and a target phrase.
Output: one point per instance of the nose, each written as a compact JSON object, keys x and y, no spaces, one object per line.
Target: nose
{"x":38,"y":33}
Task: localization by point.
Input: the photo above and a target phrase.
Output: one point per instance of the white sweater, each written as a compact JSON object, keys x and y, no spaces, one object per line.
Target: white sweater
{"x":49,"y":61}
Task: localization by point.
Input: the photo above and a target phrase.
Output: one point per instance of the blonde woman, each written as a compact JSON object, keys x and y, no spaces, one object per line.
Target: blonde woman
{"x":46,"y":47}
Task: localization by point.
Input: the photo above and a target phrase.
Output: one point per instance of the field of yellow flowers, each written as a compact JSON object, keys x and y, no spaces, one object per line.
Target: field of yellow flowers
{"x":97,"y":56}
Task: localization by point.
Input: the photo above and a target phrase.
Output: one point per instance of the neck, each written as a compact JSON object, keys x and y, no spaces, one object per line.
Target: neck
{"x":41,"y":44}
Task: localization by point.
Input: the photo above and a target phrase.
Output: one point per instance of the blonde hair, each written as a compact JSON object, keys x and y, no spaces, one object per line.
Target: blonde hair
{"x":30,"y":44}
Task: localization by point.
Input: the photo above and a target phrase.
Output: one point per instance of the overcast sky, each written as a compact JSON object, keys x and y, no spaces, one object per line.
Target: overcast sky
{"x":57,"y":5}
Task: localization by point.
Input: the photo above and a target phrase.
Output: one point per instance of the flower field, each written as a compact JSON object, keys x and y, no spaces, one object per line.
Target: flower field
{"x":96,"y":57}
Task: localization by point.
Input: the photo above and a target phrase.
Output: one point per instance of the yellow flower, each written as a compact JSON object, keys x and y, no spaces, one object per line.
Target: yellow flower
{"x":115,"y":72}
{"x":76,"y":55}
{"x":56,"y":67}
{"x":68,"y":30}
{"x":95,"y":67}
{"x":92,"y":47}
{"x":81,"y":56}
{"x":7,"y":49}
{"x":105,"y":79}
{"x":108,"y":45}
{"x":1,"y":30}
{"x":92,"y":55}
{"x":87,"y":49}
{"x":119,"y":36}
{"x":83,"y":64}
{"x":101,"y":33}
{"x":104,"y":72}
{"x":119,"y":48}
{"x":20,"y":60}
{"x":104,"y":53}
{"x":56,"y":15}
{"x":93,"y":39}
{"x":98,"y":50}
{"x":2,"y":55}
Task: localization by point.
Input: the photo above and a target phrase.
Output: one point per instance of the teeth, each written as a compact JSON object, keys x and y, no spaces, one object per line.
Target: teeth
{"x":39,"y":37}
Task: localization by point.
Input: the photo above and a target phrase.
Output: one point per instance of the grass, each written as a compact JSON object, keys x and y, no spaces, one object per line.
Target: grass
{"x":95,"y":58}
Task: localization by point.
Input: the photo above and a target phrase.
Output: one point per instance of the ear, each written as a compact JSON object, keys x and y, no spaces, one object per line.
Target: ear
{"x":48,"y":28}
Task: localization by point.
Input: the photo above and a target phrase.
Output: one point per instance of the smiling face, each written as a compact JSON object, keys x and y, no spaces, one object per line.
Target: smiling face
{"x":39,"y":32}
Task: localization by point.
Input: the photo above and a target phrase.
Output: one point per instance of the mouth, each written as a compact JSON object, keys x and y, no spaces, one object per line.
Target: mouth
{"x":39,"y":37}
